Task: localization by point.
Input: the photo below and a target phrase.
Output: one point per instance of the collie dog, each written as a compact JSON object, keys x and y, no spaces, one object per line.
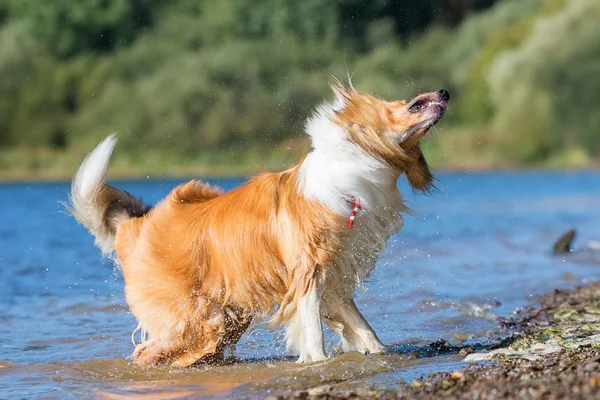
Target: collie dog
{"x":201,"y":264}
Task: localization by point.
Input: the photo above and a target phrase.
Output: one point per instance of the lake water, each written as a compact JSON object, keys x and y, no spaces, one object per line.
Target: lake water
{"x":65,"y":330}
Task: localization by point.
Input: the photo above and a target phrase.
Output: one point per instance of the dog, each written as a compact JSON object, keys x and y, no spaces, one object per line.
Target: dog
{"x":201,"y":264}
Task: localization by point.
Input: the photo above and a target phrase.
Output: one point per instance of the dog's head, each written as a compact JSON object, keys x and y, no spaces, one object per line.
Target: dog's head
{"x":390,"y":131}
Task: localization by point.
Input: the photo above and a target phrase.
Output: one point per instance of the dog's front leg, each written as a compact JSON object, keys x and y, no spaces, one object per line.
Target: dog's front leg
{"x":344,"y":318}
{"x":305,"y":330}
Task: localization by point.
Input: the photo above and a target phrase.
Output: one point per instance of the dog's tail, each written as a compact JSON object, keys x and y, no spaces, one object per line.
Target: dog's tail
{"x":97,"y":206}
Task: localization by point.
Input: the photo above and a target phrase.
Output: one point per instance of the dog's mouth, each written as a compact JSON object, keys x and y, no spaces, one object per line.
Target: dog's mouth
{"x":432,"y":107}
{"x":434,"y":104}
{"x":424,"y":104}
{"x":428,"y":109}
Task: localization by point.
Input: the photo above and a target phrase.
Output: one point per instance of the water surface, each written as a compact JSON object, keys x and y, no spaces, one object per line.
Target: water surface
{"x":485,"y":238}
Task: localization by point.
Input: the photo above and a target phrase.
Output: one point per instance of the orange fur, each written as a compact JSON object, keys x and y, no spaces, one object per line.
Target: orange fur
{"x":368,"y":120}
{"x":253,"y":248}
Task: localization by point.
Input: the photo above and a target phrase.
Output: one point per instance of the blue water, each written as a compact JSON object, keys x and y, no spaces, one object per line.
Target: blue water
{"x":65,"y":329}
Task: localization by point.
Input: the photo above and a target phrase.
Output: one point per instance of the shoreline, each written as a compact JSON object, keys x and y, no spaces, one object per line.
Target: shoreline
{"x":553,"y":354}
{"x":240,"y":173}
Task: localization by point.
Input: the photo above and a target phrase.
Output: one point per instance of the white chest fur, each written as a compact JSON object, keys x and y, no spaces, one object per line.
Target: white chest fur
{"x":337,"y":169}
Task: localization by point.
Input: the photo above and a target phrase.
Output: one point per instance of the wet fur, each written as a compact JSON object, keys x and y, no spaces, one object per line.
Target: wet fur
{"x":201,"y":264}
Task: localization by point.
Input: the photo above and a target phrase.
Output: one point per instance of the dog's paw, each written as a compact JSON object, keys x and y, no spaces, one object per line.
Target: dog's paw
{"x":311,"y":358}
{"x":185,"y":360}
{"x":149,"y":354}
{"x":379,"y":349}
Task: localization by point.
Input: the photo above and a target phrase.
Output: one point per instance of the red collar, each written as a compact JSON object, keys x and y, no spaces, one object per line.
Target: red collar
{"x":355,"y":208}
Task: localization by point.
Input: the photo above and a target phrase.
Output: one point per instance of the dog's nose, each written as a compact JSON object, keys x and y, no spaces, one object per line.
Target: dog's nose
{"x":443,"y":93}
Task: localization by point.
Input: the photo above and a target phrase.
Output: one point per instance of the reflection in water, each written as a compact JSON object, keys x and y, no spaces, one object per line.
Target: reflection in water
{"x":118,"y":378}
{"x":474,"y":251}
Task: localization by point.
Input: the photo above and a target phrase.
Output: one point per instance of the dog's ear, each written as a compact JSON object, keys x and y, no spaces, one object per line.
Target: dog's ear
{"x":418,"y":173}
{"x":341,"y":92}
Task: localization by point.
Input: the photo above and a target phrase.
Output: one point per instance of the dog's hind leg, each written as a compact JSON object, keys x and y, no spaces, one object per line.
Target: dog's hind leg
{"x":344,"y":318}
{"x":216,"y":330}
{"x":195,"y":334}
{"x":236,"y":323}
{"x":304,"y":329}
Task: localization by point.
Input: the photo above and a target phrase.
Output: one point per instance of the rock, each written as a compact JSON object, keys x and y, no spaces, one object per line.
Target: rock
{"x":563,"y":244}
{"x":508,"y":353}
{"x":456,"y":375}
{"x":465,"y":351}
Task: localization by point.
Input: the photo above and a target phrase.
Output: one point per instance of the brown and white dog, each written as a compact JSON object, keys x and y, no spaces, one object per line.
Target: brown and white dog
{"x":201,"y":264}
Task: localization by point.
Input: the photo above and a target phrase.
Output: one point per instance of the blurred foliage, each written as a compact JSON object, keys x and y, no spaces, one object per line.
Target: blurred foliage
{"x":70,"y":27}
{"x":186,"y":79}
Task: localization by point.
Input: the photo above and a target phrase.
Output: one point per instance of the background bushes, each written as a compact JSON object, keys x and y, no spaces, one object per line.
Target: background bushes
{"x":230,"y":83}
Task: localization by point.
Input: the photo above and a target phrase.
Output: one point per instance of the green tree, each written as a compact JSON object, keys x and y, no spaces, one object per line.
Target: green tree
{"x":71,"y":27}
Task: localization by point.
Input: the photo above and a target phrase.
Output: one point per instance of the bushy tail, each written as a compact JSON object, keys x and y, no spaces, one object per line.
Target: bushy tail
{"x":98,"y":206}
